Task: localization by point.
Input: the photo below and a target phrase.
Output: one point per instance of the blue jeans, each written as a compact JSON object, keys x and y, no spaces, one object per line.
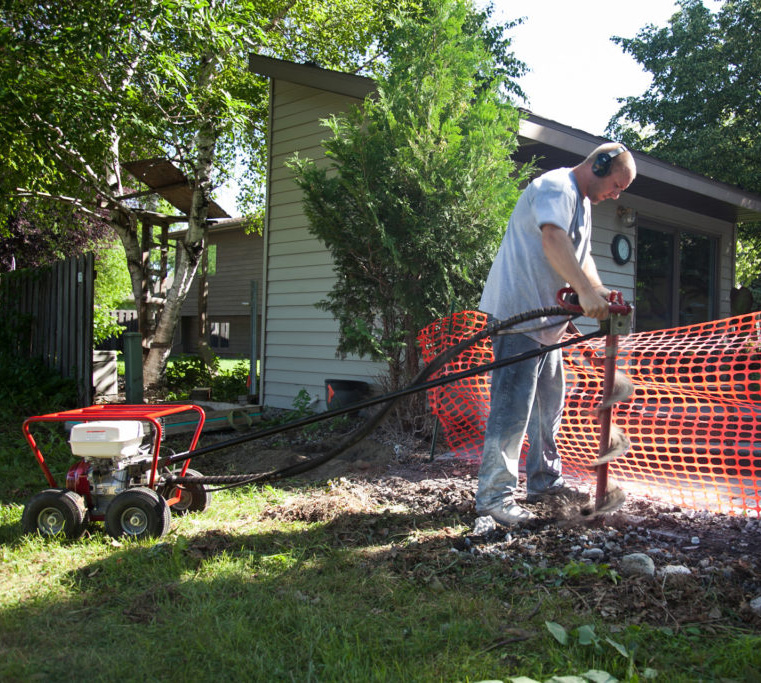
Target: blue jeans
{"x":527,"y":398}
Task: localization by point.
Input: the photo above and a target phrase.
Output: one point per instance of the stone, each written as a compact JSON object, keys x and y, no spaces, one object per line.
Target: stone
{"x":637,"y":564}
{"x":484,"y":525}
{"x":674,"y":571}
{"x":594,"y":554}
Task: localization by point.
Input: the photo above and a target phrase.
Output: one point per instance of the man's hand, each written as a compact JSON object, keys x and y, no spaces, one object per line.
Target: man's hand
{"x":593,"y":304}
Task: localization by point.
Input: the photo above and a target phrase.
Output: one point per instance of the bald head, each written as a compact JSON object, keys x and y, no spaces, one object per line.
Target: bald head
{"x":609,"y":157}
{"x":606,"y":172}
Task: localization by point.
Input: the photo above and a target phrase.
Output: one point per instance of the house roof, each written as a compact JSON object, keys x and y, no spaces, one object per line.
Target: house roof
{"x":219,"y":226}
{"x":553,"y":145}
{"x":313,"y":76}
{"x":169,"y":182}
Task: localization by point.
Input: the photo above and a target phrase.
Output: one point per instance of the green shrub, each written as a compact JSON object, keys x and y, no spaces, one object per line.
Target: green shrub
{"x":229,"y":384}
{"x":27,"y":386}
{"x":186,"y":372}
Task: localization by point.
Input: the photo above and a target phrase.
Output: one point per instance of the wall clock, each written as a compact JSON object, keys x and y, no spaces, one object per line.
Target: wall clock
{"x":621,"y":248}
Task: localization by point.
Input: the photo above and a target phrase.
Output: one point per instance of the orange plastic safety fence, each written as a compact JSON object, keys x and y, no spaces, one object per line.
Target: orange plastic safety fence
{"x":693,"y":420}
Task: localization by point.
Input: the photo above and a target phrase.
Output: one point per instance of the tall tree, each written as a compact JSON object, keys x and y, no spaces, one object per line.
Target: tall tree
{"x":86,"y":86}
{"x":701,"y":110}
{"x":420,"y":184}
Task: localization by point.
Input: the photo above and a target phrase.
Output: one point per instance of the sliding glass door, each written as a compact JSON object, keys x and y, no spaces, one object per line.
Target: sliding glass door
{"x":676,"y":277}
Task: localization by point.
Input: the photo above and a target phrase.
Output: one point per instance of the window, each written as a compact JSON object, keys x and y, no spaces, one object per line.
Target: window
{"x":676,"y":277}
{"x":220,"y":335}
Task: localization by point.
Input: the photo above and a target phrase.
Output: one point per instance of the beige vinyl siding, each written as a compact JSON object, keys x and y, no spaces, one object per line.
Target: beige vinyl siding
{"x":240,"y":260}
{"x":299,"y":339}
{"x":239,"y":339}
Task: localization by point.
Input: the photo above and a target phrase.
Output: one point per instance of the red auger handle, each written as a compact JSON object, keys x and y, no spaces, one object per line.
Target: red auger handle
{"x":568,"y":299}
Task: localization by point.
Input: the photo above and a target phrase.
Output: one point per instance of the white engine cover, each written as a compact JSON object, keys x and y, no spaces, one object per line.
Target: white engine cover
{"x":106,"y":439}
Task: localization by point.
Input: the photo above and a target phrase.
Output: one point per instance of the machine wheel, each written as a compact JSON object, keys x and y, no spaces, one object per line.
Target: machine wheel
{"x":137,"y":513}
{"x":55,"y":511}
{"x":193,"y":497}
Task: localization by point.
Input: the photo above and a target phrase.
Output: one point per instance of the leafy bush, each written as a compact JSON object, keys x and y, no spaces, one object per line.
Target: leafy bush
{"x":229,"y":384}
{"x":184,"y":373}
{"x":27,"y":386}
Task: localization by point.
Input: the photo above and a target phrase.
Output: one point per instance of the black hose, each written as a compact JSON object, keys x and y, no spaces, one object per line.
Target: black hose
{"x":418,"y":384}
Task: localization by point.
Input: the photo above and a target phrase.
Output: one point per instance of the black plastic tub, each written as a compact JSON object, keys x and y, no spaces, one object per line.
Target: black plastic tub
{"x":342,"y":393}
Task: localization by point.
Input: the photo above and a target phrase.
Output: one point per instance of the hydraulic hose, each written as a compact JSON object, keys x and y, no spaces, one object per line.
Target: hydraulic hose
{"x":419,"y":383}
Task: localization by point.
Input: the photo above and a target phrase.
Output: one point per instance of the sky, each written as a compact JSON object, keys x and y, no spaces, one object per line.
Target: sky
{"x":577,"y":72}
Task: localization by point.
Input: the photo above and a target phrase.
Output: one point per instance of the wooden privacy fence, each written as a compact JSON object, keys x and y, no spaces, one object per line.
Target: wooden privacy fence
{"x":49,"y":313}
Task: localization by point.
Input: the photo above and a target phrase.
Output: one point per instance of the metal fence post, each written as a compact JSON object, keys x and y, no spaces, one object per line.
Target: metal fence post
{"x":133,"y":367}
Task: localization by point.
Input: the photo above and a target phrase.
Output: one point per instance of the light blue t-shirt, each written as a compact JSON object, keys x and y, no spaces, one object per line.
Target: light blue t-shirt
{"x":521,"y":278}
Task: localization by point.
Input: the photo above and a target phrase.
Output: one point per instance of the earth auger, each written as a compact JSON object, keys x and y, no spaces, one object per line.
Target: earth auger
{"x":617,"y":387}
{"x":131,"y":487}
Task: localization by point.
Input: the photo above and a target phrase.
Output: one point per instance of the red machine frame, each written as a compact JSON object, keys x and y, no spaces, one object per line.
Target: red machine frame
{"x":148,"y":413}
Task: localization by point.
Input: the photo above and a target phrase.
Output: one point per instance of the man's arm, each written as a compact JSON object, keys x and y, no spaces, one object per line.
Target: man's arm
{"x":590,"y":270}
{"x":585,"y":281}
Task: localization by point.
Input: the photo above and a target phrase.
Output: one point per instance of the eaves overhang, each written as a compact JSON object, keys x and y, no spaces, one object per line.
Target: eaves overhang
{"x":554,"y":145}
{"x":312,"y":76}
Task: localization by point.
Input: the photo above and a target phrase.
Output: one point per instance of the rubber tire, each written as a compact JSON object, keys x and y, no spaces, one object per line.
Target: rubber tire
{"x":138,"y":513}
{"x":195,"y":498}
{"x":55,"y":511}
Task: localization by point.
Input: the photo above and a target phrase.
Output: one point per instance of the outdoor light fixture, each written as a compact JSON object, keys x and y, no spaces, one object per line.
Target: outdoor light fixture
{"x":628,"y":216}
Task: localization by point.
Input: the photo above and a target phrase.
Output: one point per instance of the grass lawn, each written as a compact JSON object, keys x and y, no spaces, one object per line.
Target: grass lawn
{"x":255,"y":589}
{"x":225,"y":364}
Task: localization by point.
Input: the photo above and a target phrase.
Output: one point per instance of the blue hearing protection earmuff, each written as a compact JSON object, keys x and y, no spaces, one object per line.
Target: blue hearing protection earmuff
{"x":602,"y":164}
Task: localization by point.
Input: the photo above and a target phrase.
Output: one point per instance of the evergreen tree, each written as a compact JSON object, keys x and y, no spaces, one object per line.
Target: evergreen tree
{"x":420,"y":183}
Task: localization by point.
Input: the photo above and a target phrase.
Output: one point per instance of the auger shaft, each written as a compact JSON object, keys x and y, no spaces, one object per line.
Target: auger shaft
{"x":616,"y":387}
{"x":605,"y":416}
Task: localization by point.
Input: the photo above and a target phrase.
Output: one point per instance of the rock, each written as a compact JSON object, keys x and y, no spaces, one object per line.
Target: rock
{"x":484,"y":525}
{"x":594,"y":554}
{"x":637,"y":564}
{"x":674,"y":571}
{"x":755,"y":606}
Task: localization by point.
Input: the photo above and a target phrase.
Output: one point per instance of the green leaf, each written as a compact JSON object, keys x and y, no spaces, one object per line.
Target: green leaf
{"x":620,"y":648}
{"x":586,"y":635}
{"x":598,"y":676}
{"x":558,"y":632}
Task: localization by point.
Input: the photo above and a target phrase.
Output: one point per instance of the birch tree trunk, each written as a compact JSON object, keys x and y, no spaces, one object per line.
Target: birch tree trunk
{"x":202,"y":280}
{"x":190,"y":250}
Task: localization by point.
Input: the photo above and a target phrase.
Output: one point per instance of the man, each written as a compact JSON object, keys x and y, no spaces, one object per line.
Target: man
{"x":547,"y":246}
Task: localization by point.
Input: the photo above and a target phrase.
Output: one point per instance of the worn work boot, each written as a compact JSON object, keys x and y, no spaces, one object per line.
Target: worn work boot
{"x":509,"y":514}
{"x":560,"y":492}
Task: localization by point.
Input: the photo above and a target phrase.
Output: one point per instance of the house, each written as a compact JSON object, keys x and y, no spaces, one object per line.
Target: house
{"x":668,"y":243}
{"x":235,"y":259}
